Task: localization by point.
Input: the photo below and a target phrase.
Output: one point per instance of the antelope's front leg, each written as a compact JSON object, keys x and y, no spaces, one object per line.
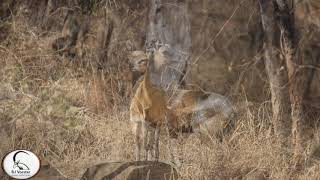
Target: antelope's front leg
{"x":156,"y":144}
{"x":148,"y":141}
{"x":173,"y":145}
{"x":138,"y":133}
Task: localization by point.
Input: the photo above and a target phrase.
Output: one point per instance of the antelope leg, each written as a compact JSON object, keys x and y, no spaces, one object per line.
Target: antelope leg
{"x":146,"y":133}
{"x":156,"y":144}
{"x":150,"y":143}
{"x":138,"y":133}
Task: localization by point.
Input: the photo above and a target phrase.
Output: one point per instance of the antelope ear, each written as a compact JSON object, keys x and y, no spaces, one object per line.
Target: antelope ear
{"x":130,"y":57}
{"x":150,"y":54}
{"x":129,"y":45}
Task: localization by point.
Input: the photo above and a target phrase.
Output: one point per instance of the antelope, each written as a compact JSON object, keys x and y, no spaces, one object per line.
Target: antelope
{"x":189,"y":110}
{"x":148,"y":108}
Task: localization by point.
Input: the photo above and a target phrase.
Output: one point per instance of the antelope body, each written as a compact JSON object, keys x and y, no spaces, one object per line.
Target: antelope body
{"x":148,"y":111}
{"x":186,"y":110}
{"x":208,"y":114}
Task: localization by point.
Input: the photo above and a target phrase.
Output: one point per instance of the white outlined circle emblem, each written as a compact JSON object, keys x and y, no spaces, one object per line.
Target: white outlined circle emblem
{"x":21,"y":164}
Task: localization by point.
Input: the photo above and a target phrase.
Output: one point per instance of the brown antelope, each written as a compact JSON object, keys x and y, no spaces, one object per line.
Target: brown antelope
{"x":189,"y":110}
{"x":148,"y":109}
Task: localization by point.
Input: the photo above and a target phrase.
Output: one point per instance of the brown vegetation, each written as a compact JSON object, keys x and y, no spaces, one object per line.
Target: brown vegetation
{"x":71,"y":107}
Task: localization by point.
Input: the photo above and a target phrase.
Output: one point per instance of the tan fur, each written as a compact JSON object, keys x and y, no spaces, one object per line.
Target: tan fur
{"x":150,"y":102}
{"x":189,"y":110}
{"x":184,"y":103}
{"x":148,"y":111}
{"x":193,"y":110}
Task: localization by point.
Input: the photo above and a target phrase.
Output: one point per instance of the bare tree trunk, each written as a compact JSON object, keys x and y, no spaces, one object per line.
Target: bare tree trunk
{"x":277,"y":72}
{"x":169,"y":24}
{"x":300,"y":78}
{"x":279,"y":26}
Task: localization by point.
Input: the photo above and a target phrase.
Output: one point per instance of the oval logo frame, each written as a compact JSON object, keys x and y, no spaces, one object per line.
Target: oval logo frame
{"x":21,"y":164}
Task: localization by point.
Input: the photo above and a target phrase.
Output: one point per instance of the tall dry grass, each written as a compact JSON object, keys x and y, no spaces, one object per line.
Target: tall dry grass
{"x":73,"y":117}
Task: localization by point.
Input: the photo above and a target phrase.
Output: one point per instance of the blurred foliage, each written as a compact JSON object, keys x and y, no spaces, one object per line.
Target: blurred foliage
{"x":89,"y":6}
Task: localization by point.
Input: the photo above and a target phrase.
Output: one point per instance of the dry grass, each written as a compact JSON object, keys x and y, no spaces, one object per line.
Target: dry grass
{"x":70,"y":117}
